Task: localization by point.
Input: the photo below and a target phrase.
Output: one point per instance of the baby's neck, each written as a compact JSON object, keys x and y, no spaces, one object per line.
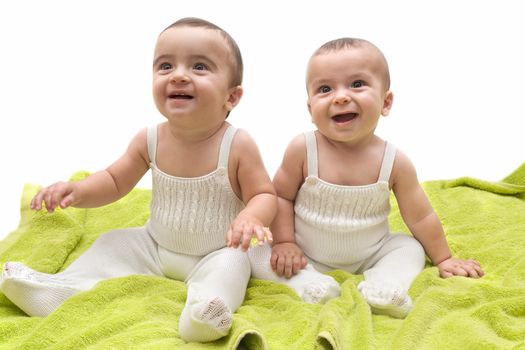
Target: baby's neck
{"x":357,"y":146}
{"x":194,"y":136}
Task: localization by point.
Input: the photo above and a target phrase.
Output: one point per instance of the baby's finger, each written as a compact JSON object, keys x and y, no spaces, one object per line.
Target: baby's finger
{"x":67,"y":201}
{"x":36,"y":202}
{"x":48,"y":202}
{"x":288,"y":268}
{"x":473,"y":262}
{"x":472,"y":272}
{"x":229,"y":237}
{"x":268,"y":233}
{"x":297,"y":265}
{"x":476,"y":266}
{"x":480,"y":271}
{"x":247,"y":232}
{"x":477,"y":270}
{"x":57,"y":198}
{"x":273,"y":261}
{"x":259,"y":232}
{"x":459,"y":271}
{"x":280,"y":266}
{"x":446,"y":274}
{"x":236,"y":236}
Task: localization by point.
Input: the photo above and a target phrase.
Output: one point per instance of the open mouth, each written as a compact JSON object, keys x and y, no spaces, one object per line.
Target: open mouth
{"x":344,"y":118}
{"x":180,"y":97}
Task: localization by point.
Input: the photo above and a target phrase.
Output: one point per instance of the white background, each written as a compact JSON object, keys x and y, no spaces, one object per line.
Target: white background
{"x":75,"y":80}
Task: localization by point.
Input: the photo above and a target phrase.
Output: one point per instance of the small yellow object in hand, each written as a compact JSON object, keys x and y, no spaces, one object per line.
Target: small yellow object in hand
{"x":267,"y":238}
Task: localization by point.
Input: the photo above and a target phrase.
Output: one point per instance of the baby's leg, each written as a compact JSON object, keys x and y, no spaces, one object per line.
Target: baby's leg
{"x":216,"y":288}
{"x":394,"y":268}
{"x":312,"y":286}
{"x":114,"y":254}
{"x":36,"y":293}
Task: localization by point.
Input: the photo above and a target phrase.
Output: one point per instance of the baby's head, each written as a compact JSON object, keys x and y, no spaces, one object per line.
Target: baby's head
{"x":348,"y":86}
{"x":375,"y":57}
{"x":197,"y":71}
{"x":236,"y":64}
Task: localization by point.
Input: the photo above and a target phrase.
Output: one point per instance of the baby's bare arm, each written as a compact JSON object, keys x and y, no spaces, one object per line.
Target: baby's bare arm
{"x":256,"y":191}
{"x":423,"y":222}
{"x":287,"y":257}
{"x":99,"y":188}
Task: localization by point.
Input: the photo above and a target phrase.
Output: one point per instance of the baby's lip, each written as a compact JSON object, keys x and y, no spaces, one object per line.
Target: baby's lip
{"x":180,"y":96}
{"x":344,"y":117}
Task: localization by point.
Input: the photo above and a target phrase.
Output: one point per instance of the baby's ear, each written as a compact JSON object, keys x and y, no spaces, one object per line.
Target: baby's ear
{"x":387,"y":103}
{"x":309,"y":109}
{"x":234,"y":97}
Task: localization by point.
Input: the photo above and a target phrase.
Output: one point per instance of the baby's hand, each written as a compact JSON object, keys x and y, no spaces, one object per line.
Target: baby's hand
{"x":243,"y":228}
{"x":59,"y":194}
{"x":287,"y":259}
{"x":458,"y":267}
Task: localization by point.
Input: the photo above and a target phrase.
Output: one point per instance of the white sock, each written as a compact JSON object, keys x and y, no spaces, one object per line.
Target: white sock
{"x":204,"y":321}
{"x":316,"y":292}
{"x":36,"y":293}
{"x":386,"y":299}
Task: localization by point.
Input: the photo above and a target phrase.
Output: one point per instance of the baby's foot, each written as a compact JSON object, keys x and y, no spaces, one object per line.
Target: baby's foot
{"x":319,"y":293}
{"x":215,"y":313}
{"x":203,"y":321}
{"x":36,"y":293}
{"x":385,"y":299}
{"x":14,"y":270}
{"x":20,"y":272}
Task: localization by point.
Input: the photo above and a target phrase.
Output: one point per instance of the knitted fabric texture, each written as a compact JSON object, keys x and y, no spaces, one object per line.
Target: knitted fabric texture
{"x":192,"y":215}
{"x":332,"y":219}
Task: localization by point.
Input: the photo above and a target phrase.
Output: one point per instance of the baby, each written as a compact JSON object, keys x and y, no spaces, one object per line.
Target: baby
{"x":334,"y":186}
{"x":211,"y":192}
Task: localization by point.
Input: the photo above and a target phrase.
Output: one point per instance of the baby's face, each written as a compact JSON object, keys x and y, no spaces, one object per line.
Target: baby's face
{"x":347,"y":92}
{"x":192,"y":71}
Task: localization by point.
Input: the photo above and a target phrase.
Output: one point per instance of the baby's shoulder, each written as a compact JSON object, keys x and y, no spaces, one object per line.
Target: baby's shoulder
{"x":297,"y":144}
{"x":139,"y":140}
{"x":295,"y":153}
{"x":403,"y":166}
{"x":242,"y":139}
{"x":243,"y":145}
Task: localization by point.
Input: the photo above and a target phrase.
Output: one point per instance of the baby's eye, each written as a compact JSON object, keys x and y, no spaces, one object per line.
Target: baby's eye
{"x":165,"y":66}
{"x":324,"y":89}
{"x":358,"y":84}
{"x":200,"y":66}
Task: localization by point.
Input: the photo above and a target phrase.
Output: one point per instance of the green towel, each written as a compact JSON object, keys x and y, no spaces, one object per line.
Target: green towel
{"x":482,"y":220}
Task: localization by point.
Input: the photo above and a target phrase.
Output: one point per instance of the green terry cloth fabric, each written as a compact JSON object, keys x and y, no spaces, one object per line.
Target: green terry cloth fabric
{"x":483,"y":220}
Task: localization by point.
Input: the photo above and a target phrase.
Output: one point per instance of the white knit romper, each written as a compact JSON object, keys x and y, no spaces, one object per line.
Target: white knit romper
{"x":192,"y":215}
{"x":189,"y":221}
{"x":346,"y":227}
{"x":184,"y":240}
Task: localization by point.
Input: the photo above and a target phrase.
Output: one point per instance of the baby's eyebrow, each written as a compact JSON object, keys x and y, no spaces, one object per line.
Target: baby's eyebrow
{"x":204,"y":59}
{"x":169,"y":57}
{"x":161,"y":58}
{"x":319,"y":82}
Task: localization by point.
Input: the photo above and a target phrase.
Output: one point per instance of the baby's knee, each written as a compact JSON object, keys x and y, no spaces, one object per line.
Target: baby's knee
{"x":228,"y":260}
{"x":232,"y":257}
{"x":416,"y":249}
{"x":411,"y":247}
